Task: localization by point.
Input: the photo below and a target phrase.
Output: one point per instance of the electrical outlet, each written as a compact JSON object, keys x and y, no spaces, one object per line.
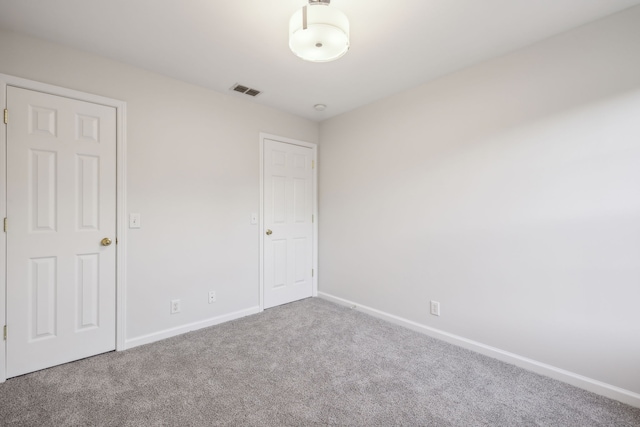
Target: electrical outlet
{"x":175,"y":306}
{"x":212,"y":297}
{"x":435,"y":308}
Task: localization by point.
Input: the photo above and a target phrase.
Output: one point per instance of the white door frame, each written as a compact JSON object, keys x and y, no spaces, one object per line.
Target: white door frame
{"x":121,"y":157}
{"x":314,"y":148}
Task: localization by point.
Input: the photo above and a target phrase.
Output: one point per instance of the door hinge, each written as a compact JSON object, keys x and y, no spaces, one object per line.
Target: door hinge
{"x":312,"y":272}
{"x":5,"y":225}
{"x":313,"y":162}
{"x":5,"y":332}
{"x":6,"y":116}
{"x":313,"y":218}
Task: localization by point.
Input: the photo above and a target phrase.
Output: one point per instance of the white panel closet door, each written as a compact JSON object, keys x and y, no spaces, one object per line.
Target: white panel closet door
{"x":288,"y":209}
{"x":61,"y":203}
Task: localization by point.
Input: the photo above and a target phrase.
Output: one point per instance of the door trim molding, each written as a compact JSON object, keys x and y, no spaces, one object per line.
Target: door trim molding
{"x":121,"y":199}
{"x":314,"y":148}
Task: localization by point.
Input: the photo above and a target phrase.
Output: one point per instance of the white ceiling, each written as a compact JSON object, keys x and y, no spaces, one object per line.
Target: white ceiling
{"x":395,"y":44}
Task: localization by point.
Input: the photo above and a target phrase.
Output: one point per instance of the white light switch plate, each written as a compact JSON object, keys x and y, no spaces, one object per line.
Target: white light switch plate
{"x":254,"y":218}
{"x":134,"y":220}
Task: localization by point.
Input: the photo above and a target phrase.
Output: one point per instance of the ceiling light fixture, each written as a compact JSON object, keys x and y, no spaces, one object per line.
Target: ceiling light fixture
{"x":319,"y":33}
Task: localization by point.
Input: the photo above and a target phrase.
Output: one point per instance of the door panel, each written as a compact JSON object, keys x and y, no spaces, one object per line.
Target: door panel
{"x":61,"y":195}
{"x":87,"y":291}
{"x":43,"y":297}
{"x":88,"y":192}
{"x":288,"y":209}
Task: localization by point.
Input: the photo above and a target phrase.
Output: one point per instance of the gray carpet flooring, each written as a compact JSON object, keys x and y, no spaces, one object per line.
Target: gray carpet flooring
{"x":309,"y":363}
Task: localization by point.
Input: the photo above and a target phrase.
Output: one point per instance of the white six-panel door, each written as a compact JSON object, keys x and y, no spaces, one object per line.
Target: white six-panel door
{"x":288,"y":209}
{"x":61,"y":204}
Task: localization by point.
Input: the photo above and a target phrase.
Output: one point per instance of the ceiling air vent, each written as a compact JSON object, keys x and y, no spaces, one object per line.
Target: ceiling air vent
{"x":246,"y":90}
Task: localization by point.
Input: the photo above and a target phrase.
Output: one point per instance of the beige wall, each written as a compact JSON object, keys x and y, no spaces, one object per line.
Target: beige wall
{"x":508,"y":192}
{"x":193,"y":174}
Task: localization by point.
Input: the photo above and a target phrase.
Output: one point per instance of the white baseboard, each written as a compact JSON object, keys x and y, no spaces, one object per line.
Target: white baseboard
{"x":168,"y":333}
{"x":574,"y":379}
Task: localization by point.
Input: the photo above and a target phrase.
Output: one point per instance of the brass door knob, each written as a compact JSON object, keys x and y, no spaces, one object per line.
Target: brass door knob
{"x":269,"y":232}
{"x":105,"y":242}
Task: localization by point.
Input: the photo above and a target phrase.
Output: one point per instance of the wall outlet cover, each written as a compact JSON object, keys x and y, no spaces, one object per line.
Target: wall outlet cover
{"x":435,"y":308}
{"x":175,"y":306}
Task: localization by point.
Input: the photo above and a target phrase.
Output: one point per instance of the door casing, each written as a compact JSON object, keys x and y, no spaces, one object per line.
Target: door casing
{"x":121,"y":107}
{"x":314,"y":148}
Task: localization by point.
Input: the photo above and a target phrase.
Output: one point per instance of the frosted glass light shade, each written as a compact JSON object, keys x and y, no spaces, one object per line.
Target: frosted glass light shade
{"x":326,"y":37}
